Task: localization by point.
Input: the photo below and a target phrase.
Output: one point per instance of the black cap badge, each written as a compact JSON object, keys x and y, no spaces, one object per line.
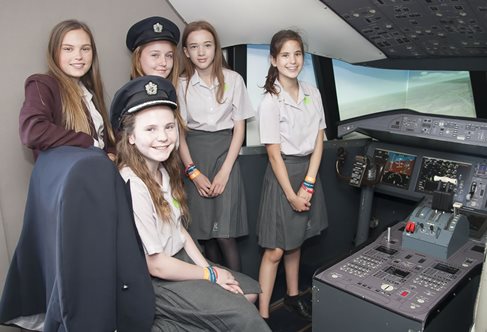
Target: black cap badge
{"x":151,"y":88}
{"x":158,"y":27}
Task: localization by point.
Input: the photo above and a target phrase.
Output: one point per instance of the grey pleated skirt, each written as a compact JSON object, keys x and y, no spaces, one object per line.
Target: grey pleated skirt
{"x":198,"y":305}
{"x":224,"y":216}
{"x":278,"y":225}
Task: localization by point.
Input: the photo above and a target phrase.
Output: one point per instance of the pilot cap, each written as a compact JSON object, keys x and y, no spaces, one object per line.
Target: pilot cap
{"x":150,"y":29}
{"x":141,"y":93}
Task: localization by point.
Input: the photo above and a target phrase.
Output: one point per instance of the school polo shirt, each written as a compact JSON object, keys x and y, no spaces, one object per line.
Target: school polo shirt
{"x":292,"y":124}
{"x":157,"y":235}
{"x":200,"y":109}
{"x":95,"y":116}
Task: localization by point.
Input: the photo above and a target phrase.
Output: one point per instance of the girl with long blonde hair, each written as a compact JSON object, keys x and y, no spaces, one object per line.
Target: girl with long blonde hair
{"x":66,"y":105}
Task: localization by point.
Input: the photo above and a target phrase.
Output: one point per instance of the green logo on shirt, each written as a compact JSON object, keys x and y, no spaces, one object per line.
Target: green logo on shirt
{"x":225,"y":87}
{"x":307,"y":100}
{"x":175,"y":202}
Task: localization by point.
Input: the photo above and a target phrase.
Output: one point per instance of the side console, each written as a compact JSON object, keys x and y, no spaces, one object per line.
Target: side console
{"x":390,"y":285}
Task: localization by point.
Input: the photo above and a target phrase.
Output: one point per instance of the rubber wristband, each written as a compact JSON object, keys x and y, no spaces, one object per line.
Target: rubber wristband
{"x":188,"y":167}
{"x":308,"y":190}
{"x":216,"y":273}
{"x":194,"y":174}
{"x":310,"y":179}
{"x":212,"y":274}
{"x":206,"y":274}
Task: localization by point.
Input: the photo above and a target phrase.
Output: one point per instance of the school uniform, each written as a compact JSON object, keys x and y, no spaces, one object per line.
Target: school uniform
{"x":209,"y":136}
{"x":293,"y":125}
{"x":41,"y":124}
{"x":97,"y":125}
{"x":193,"y":305}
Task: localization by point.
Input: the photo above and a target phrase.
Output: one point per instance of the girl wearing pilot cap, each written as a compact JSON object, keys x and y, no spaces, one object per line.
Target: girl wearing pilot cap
{"x":190,"y":293}
{"x":153,"y":42}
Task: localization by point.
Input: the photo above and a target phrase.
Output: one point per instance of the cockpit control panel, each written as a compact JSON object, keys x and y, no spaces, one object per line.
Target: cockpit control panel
{"x":437,"y":159}
{"x":420,"y":265}
{"x":391,"y":272}
{"x":408,"y":127}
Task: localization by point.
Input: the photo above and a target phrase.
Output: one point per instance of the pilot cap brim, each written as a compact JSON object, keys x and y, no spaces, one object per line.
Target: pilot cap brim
{"x":141,"y":93}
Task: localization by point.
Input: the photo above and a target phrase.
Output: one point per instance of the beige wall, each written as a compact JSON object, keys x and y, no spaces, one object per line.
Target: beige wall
{"x":24,"y":30}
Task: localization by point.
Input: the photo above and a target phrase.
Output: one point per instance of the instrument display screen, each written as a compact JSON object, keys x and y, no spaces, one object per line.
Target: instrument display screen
{"x":398,"y":168}
{"x":441,"y":175}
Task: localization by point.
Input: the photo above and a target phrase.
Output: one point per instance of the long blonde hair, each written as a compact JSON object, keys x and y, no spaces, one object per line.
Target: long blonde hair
{"x":74,"y":110}
{"x":218,"y":62}
{"x":128,"y":155}
{"x":137,"y":67}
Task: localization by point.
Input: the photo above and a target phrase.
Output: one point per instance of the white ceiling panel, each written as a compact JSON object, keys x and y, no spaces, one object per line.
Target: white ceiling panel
{"x":255,"y":21}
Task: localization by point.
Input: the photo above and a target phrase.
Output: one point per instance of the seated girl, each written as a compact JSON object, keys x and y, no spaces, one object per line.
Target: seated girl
{"x":191,"y":294}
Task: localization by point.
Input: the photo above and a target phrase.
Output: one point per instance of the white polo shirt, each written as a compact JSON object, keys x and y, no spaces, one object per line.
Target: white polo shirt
{"x":200,"y":109}
{"x":292,"y":124}
{"x":157,"y":236}
{"x":95,"y":116}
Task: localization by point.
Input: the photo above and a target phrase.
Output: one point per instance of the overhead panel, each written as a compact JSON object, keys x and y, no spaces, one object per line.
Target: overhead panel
{"x":421,"y":28}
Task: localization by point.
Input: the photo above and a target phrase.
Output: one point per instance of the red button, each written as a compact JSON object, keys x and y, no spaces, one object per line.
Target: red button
{"x":404,"y":293}
{"x":410,"y":226}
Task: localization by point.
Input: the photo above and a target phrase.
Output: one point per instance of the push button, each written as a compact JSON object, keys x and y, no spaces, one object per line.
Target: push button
{"x":410,"y":227}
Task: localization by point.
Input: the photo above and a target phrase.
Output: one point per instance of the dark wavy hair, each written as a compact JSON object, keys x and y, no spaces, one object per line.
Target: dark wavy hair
{"x":277,"y":42}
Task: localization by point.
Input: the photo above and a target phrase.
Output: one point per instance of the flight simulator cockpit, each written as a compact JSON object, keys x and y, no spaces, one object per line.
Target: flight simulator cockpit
{"x":421,"y":273}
